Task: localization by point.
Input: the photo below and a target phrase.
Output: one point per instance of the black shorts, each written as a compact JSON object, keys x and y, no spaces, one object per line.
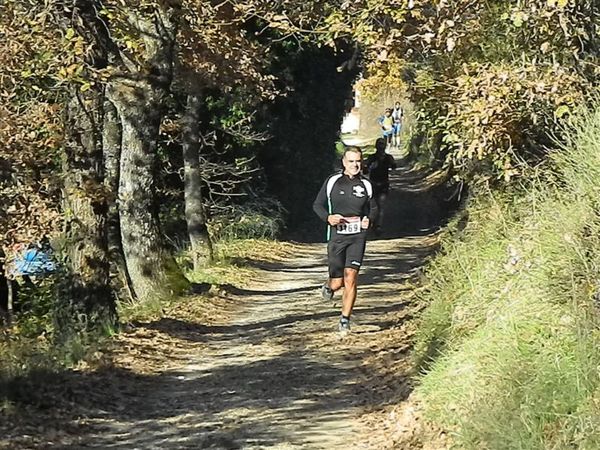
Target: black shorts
{"x":345,"y":251}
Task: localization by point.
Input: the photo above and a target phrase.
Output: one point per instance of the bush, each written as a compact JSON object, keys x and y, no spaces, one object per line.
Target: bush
{"x":255,"y":219}
{"x":510,"y":341}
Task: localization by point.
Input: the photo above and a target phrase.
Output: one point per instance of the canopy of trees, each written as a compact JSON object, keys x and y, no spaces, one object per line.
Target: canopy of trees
{"x":492,"y":80}
{"x":121,"y":119}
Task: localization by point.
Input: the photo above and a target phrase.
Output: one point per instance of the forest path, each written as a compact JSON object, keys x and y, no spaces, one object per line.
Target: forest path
{"x":277,"y":375}
{"x":270,"y":371}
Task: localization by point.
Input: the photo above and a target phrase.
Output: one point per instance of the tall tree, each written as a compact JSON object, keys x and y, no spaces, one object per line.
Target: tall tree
{"x":195,"y":211}
{"x":138,"y":95}
{"x":111,"y":145}
{"x":86,"y":300}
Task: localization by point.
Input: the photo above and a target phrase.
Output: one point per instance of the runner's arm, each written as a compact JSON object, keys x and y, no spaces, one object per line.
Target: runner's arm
{"x":373,"y":210}
{"x":320,"y":202}
{"x":392,"y":162}
{"x":367,"y":165}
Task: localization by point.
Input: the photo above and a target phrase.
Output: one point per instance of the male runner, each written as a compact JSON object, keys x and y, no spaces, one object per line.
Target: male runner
{"x":346,"y":203}
{"x":398,"y":116}
{"x":378,"y":166}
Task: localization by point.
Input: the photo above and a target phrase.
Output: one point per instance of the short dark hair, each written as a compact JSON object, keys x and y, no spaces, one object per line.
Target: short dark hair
{"x":380,"y":144}
{"x":353,"y":149}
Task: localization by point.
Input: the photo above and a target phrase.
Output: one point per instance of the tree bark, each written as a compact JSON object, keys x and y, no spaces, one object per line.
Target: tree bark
{"x":111,"y":145}
{"x":5,"y":292}
{"x":195,"y":213}
{"x":138,"y":97}
{"x":150,"y":265}
{"x":85,"y":301}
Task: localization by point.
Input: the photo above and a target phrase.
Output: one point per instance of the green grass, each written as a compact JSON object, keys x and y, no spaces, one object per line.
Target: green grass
{"x":510,"y":341}
{"x":367,"y":150}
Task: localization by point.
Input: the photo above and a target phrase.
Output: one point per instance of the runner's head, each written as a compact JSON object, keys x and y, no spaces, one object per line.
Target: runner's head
{"x":388,"y":111}
{"x":380,"y":145}
{"x":397,"y":105}
{"x":352,"y":161}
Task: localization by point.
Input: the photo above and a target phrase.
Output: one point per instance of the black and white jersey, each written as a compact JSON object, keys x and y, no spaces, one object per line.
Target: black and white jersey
{"x":350,"y":197}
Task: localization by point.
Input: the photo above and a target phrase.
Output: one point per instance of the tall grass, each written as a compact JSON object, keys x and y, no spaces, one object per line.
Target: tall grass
{"x":510,"y":342}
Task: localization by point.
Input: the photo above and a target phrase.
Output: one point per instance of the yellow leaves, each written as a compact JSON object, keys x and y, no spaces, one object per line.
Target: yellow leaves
{"x":70,"y":34}
{"x":450,"y":44}
{"x":508,"y":175}
{"x":518,"y":18}
{"x":561,"y":111}
{"x":70,"y":71}
{"x":545,"y":47}
{"x":558,"y":3}
{"x":492,"y":110}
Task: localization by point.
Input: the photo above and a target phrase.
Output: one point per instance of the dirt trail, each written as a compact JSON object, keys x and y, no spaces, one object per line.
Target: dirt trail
{"x":275,"y":375}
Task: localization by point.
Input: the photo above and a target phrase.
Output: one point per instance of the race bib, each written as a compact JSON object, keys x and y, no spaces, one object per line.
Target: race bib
{"x":351,"y":226}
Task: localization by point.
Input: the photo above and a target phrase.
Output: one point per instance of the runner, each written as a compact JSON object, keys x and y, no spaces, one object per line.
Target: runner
{"x":387,"y":125}
{"x":398,"y":116}
{"x":349,"y":212}
{"x":378,"y":167}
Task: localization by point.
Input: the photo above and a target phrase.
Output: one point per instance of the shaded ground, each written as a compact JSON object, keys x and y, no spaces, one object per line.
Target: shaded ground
{"x":264,"y":368}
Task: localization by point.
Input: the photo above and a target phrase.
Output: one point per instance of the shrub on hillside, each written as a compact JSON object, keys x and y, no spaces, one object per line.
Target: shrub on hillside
{"x":255,"y":219}
{"x":510,"y":339}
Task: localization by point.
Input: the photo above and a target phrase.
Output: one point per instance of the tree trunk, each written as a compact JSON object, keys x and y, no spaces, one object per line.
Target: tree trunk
{"x":5,"y":291}
{"x":85,"y":301}
{"x":195,"y":213}
{"x":138,"y":96}
{"x":150,"y":265}
{"x":111,"y":144}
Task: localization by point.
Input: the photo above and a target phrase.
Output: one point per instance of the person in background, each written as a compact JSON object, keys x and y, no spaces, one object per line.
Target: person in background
{"x":387,"y":125}
{"x":398,"y":117}
{"x":378,"y":166}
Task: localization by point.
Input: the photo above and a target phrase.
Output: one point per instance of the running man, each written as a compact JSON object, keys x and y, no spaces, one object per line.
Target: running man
{"x":378,"y":166}
{"x":387,"y":125}
{"x":346,"y":203}
{"x":398,"y":117}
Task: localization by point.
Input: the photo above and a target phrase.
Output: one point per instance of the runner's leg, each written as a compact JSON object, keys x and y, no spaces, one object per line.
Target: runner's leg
{"x":350,"y":289}
{"x":336,"y":258}
{"x":380,"y":199}
{"x":335,"y":284}
{"x":354,"y":256}
{"x":388,"y":139}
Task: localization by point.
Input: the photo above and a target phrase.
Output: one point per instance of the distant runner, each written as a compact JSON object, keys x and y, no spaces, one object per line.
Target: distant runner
{"x":398,"y":116}
{"x":378,"y":167}
{"x":346,"y":203}
{"x":387,"y":125}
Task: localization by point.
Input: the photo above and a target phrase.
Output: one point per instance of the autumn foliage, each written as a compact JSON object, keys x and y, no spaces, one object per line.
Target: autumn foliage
{"x":491,"y":82}
{"x":30,"y":122}
{"x":492,"y":79}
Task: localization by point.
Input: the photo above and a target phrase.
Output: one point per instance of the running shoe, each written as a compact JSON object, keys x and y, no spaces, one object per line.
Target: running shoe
{"x":344,"y":327}
{"x":326,"y":292}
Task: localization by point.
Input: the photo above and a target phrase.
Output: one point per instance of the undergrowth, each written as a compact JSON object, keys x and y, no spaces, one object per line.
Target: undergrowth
{"x":509,"y":344}
{"x":29,"y":351}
